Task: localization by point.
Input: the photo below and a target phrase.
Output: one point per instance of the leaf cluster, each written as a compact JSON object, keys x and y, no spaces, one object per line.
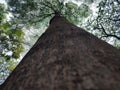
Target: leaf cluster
{"x":34,"y":12}
{"x":10,"y":38}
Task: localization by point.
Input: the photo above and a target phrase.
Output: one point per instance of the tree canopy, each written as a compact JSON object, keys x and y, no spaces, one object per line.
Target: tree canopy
{"x":36,"y":11}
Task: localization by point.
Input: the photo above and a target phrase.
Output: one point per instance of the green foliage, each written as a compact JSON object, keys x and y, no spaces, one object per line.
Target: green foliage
{"x":11,"y":38}
{"x":6,"y":67}
{"x":75,"y":13}
{"x":84,"y":10}
{"x":11,"y":41}
{"x":2,"y":12}
{"x":35,"y":12}
{"x":31,"y":12}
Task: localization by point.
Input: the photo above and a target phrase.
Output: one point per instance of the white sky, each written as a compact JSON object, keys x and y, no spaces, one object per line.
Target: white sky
{"x":2,"y":1}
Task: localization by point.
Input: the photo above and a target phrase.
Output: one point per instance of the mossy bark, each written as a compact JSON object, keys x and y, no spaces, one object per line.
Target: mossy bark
{"x":67,"y":57}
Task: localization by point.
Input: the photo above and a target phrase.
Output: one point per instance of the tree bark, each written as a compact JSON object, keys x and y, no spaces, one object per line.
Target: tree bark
{"x":67,"y":57}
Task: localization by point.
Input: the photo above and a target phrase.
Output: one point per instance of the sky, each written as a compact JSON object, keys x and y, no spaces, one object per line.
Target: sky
{"x":2,"y":1}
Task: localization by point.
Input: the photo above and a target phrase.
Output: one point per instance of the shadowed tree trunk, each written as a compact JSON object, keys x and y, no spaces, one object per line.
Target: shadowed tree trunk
{"x":67,"y":57}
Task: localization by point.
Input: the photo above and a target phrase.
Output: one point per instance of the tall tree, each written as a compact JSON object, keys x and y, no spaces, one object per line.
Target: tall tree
{"x":65,"y":57}
{"x":26,"y":14}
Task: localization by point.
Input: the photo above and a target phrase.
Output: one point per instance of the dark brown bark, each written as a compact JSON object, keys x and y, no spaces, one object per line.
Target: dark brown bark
{"x":67,"y":57}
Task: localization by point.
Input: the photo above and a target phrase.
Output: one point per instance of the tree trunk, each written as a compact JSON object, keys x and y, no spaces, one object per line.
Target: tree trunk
{"x":67,"y":57}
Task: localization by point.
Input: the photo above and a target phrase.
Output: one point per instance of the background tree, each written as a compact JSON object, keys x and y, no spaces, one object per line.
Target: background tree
{"x":11,"y":39}
{"x":107,"y":23}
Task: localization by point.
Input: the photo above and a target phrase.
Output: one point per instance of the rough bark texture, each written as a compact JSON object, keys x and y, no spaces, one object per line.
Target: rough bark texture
{"x":67,"y":57}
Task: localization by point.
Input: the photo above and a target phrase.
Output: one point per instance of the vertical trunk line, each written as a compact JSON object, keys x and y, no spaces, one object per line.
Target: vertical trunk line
{"x":47,"y":84}
{"x":69,"y":83}
{"x":56,"y":78}
{"x":64,"y":73}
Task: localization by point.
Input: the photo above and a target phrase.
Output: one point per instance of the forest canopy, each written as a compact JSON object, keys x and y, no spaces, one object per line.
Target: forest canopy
{"x":21,"y":18}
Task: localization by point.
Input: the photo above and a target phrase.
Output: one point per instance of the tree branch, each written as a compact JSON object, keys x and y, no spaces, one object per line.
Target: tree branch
{"x":40,"y":19}
{"x":108,"y":35}
{"x":49,"y":5}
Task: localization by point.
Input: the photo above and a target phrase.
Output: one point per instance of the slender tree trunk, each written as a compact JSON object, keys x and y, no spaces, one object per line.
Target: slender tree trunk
{"x":67,"y":57}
